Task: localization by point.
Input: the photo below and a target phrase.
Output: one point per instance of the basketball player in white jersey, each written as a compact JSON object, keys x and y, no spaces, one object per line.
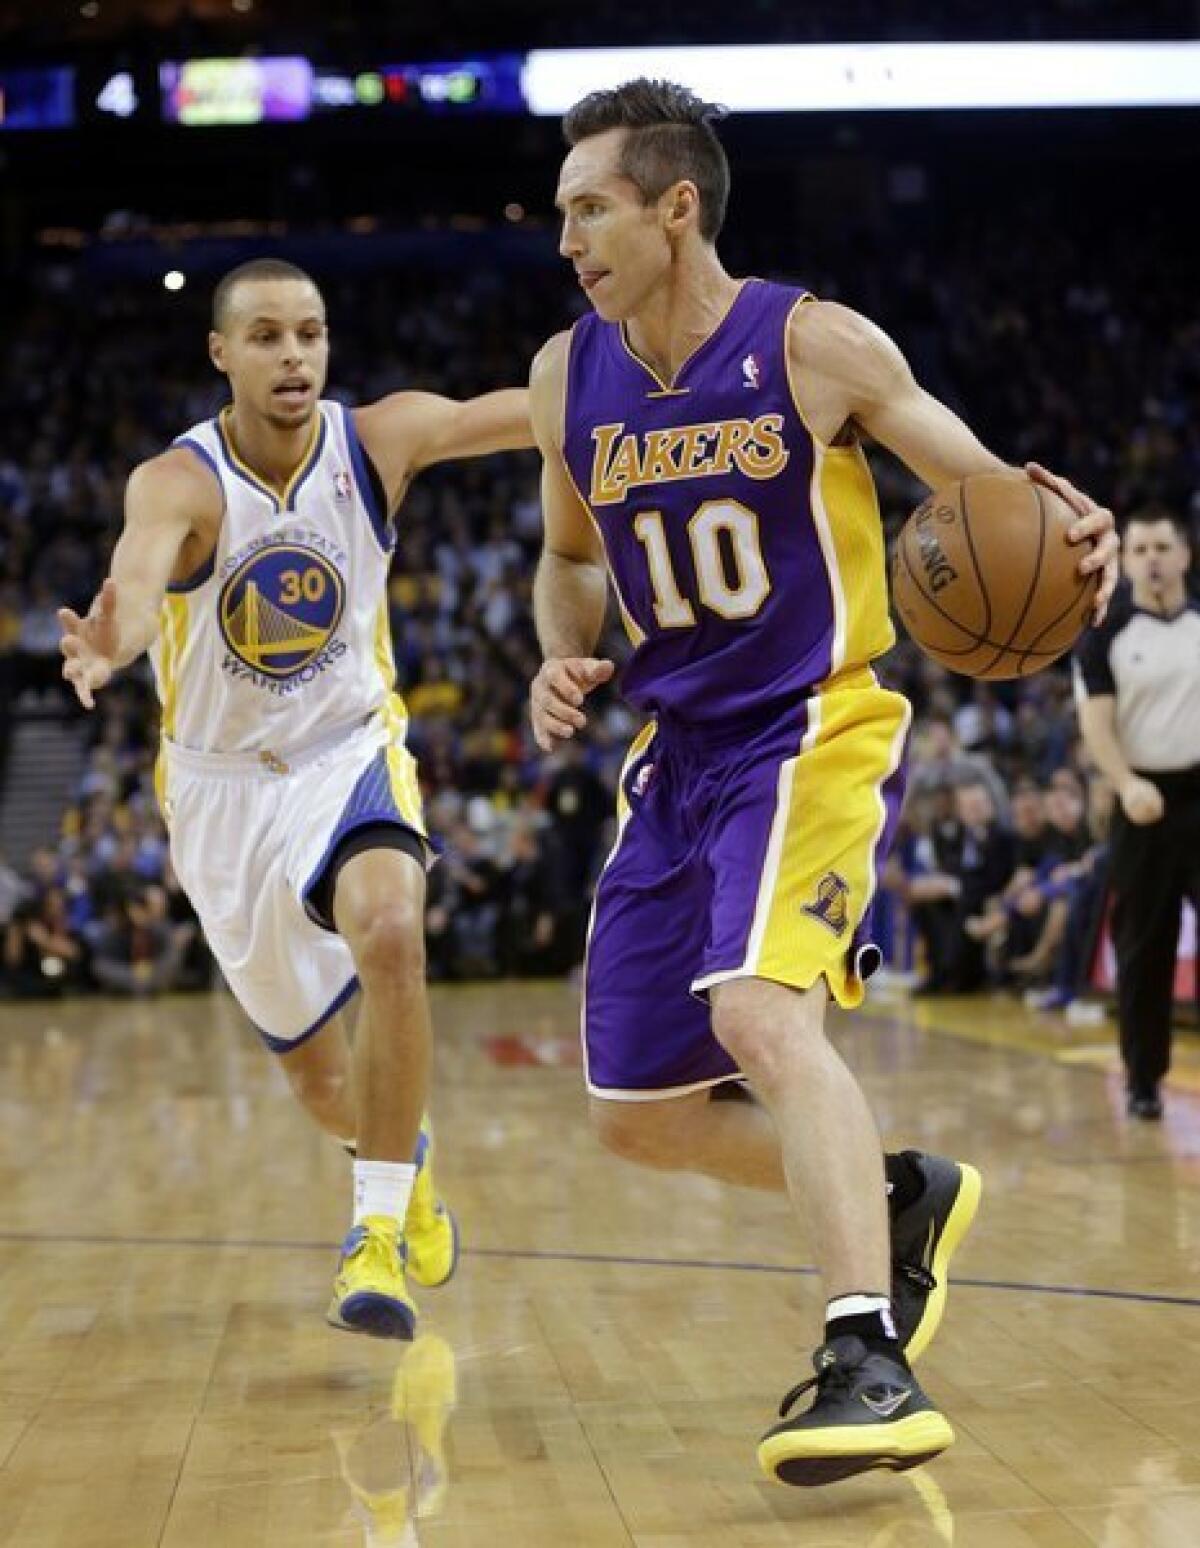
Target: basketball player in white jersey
{"x":253,"y":567}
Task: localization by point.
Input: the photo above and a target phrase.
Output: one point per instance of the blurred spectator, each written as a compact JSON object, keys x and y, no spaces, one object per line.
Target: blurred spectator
{"x":42,"y":956}
{"x":38,"y":663}
{"x":10,"y":891}
{"x":1084,"y":886}
{"x":1003,"y":924}
{"x":939,"y":762}
{"x":1044,"y":901}
{"x":464,"y":909}
{"x":973,"y":860}
{"x":536,"y":934}
{"x":578,"y":803}
{"x":136,"y":948}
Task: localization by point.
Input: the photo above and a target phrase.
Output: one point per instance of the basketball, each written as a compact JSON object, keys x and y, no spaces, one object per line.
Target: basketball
{"x":985,"y":581}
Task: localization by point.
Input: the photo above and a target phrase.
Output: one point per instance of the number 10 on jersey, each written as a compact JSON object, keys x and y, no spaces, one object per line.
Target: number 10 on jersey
{"x":731,"y":577}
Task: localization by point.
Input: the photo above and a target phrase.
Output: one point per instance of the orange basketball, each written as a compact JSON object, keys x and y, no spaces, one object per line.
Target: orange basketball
{"x":985,"y":580}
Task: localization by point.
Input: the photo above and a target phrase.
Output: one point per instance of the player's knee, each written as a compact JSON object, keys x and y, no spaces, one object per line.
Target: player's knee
{"x":638,"y":1132}
{"x":390,"y":943}
{"x":750,"y":1044}
{"x":768,"y":1027}
{"x":765,"y":1048}
{"x":321,"y":1091}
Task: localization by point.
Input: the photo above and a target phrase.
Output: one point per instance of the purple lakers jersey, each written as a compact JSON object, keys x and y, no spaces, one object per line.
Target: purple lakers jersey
{"x":747,"y":556}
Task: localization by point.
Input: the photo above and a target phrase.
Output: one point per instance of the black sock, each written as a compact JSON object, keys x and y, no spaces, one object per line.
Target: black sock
{"x":905,"y":1181}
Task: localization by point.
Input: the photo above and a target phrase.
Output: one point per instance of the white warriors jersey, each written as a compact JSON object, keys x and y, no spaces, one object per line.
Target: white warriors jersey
{"x":283,"y":637}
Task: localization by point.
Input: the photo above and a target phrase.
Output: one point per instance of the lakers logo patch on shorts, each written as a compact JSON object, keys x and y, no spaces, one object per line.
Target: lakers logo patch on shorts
{"x":280,"y":608}
{"x":829,"y":906}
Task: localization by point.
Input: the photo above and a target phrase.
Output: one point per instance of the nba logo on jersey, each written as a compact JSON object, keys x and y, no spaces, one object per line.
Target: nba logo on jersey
{"x":343,"y":487}
{"x":830,"y":903}
{"x":750,"y":371}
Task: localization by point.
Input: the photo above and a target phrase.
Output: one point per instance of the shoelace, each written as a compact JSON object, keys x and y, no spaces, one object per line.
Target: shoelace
{"x":916,"y":1275}
{"x":378,"y":1250}
{"x":832,"y":1376}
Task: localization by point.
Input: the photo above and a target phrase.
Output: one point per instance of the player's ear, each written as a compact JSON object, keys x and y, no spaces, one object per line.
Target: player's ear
{"x":682,"y":202}
{"x":216,"y":351}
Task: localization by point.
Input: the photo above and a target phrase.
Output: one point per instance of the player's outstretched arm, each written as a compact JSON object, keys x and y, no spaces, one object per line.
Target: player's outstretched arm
{"x":570,"y":589}
{"x":847,"y":373}
{"x":162,"y":501}
{"x":408,"y":431}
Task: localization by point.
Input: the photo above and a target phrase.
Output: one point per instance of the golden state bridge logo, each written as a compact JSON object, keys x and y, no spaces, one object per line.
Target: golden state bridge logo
{"x":280,"y":608}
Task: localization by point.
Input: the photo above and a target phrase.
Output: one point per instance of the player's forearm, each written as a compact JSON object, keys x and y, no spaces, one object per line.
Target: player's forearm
{"x":157,"y":526}
{"x":932,"y":440}
{"x":137,"y":619}
{"x":503,"y":422}
{"x":1103,"y":745}
{"x":569,"y":601}
{"x":493,"y":422}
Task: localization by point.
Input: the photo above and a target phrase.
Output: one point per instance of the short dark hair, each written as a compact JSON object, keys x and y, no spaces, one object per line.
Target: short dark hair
{"x":255,"y":269}
{"x":671,"y":137}
{"x":1148,"y":515}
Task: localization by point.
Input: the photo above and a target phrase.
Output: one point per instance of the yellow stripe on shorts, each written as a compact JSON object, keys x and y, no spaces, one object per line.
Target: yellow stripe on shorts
{"x":819,"y":874}
{"x":401,"y":765}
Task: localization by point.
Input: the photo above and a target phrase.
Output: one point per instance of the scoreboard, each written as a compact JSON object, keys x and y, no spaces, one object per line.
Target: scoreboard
{"x":779,"y":78}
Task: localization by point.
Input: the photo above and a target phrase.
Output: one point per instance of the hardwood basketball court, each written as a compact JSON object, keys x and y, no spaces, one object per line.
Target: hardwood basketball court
{"x":599,"y":1371}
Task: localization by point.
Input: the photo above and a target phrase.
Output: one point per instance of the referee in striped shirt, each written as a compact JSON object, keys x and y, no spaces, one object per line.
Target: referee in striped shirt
{"x":1137,"y":681}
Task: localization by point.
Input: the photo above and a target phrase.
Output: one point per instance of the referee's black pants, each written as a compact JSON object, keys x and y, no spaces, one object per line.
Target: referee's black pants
{"x":1153,"y":869}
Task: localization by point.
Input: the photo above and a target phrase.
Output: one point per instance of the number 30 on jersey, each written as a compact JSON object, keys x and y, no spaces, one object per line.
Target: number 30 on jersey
{"x":731,"y":573}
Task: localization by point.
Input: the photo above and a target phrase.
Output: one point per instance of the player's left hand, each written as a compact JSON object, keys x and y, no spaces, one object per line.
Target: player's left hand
{"x":1095,"y":523}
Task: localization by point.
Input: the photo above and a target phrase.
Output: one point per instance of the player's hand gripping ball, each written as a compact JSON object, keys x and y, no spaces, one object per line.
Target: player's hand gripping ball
{"x":986,"y":580}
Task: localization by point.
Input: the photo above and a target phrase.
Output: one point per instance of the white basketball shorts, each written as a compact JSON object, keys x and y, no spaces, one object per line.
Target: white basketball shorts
{"x":251,"y":835}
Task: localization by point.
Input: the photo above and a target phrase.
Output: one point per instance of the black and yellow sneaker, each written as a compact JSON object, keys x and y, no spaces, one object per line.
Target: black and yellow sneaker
{"x":925,"y":1236}
{"x":869,"y":1412}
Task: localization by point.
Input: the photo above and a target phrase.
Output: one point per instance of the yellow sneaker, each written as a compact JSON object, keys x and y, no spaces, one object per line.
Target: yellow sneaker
{"x":430,"y":1230}
{"x":369,"y":1295}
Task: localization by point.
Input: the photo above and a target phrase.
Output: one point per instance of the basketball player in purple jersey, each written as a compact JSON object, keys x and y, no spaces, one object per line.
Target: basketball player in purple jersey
{"x":701,"y":438}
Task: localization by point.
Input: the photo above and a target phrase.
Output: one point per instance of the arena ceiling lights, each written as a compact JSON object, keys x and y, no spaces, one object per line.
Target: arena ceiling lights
{"x":883,"y":77}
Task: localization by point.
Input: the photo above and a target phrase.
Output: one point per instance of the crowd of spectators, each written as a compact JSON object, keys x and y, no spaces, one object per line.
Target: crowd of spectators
{"x":1000,"y":881}
{"x":997,"y":876}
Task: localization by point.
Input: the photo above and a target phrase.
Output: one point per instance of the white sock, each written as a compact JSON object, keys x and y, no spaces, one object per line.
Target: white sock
{"x":862,"y":1306}
{"x":383,"y":1188}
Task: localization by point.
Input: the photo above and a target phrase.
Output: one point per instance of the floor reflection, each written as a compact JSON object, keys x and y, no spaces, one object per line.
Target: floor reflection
{"x":394,"y":1463}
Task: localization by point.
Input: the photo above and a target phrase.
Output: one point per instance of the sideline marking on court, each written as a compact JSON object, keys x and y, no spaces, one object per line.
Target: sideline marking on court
{"x":989,"y":1023}
{"x":617,"y":1260}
